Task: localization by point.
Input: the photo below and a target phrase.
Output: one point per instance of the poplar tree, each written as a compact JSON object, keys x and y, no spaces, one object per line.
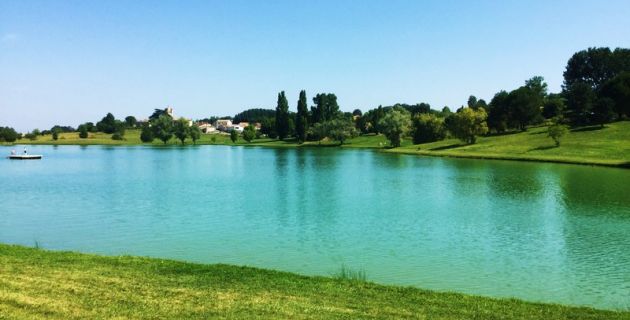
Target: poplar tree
{"x":282,"y":116}
{"x":301,"y":123}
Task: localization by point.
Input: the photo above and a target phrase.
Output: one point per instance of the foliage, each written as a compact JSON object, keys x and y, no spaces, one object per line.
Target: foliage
{"x":180,"y":129}
{"x":32,"y":136}
{"x":580,"y":99}
{"x":268,"y":128}
{"x":499,"y":110}
{"x":553,"y":107}
{"x":147,"y":134}
{"x":8,"y":134}
{"x":83,"y":131}
{"x":55,"y":134}
{"x":595,"y":66}
{"x":326,"y":107}
{"x":603,"y":111}
{"x":618,"y":90}
{"x":157,"y":113}
{"x":467,"y":124}
{"x":428,"y":127}
{"x":249,"y":133}
{"x":253,"y":115}
{"x":282,"y":116}
{"x":118,"y":135}
{"x":339,"y":129}
{"x":518,"y":108}
{"x":394,"y":125}
{"x":59,"y":129}
{"x":163,"y":128}
{"x":301,"y":119}
{"x":107,"y":124}
{"x":233,"y":136}
{"x":368,"y":122}
{"x":130,"y":121}
{"x":556,"y":132}
{"x":195,"y":133}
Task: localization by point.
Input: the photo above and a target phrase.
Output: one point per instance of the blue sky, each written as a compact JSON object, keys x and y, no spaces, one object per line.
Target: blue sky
{"x":67,"y":62}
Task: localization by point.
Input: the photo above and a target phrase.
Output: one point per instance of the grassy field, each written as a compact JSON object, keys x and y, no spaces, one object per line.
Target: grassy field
{"x":38,"y":284}
{"x":592,"y":145}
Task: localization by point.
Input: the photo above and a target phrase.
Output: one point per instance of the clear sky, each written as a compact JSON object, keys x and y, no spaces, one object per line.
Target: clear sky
{"x":68,"y":62}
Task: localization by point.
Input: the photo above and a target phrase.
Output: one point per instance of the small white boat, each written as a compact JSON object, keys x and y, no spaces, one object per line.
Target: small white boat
{"x":25,"y":156}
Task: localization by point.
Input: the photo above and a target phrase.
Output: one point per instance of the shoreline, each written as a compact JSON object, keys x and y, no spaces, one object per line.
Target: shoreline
{"x":400,"y":150}
{"x":117,"y":286}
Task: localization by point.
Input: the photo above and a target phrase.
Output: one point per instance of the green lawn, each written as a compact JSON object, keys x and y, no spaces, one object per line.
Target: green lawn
{"x":38,"y":284}
{"x":592,"y":145}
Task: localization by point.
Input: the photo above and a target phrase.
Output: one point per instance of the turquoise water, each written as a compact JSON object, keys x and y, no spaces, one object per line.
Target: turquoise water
{"x":540,"y":232}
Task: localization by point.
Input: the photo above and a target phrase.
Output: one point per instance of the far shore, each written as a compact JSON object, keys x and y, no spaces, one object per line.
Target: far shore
{"x":608,"y":146}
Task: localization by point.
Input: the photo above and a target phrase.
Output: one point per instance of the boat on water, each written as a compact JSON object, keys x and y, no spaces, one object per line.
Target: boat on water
{"x":24,"y":156}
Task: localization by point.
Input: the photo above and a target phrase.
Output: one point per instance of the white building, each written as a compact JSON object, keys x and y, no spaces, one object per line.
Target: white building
{"x":223,"y":125}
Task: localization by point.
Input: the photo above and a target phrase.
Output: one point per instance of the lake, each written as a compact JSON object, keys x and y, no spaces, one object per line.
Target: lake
{"x":535,"y":231}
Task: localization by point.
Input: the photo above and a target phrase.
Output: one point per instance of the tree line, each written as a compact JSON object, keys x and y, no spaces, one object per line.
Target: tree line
{"x":595,"y":91}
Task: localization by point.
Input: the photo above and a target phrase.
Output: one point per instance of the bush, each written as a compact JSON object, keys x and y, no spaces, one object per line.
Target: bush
{"x":234,"y":136}
{"x":30,"y":136}
{"x":249,"y":133}
{"x":83,"y":131}
{"x":146,"y":135}
{"x":118,"y":136}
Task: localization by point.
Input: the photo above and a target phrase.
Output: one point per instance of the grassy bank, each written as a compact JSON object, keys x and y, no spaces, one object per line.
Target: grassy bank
{"x":62,"y":285}
{"x":592,"y":145}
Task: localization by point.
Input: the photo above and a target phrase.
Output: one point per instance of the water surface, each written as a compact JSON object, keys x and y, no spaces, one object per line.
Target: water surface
{"x":541,"y":232}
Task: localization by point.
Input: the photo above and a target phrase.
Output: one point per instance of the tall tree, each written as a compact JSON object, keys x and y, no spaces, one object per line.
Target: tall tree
{"x":467,"y":124}
{"x":427,"y":127}
{"x":603,"y":111}
{"x":499,"y":110}
{"x":107,"y":124}
{"x":525,"y":103}
{"x":301,"y":120}
{"x":395,"y":124}
{"x":130,"y":121}
{"x":163,"y":128}
{"x":147,"y":134}
{"x":195,"y":133}
{"x":326,"y":107}
{"x":180,"y":129}
{"x":618,"y":89}
{"x":580,"y":98}
{"x":282,"y":116}
{"x":595,"y":66}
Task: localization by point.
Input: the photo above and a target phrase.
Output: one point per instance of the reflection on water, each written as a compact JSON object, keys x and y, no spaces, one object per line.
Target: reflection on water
{"x":543,"y":232}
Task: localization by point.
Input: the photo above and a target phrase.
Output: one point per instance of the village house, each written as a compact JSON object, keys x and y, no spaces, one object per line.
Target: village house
{"x":206,"y":127}
{"x":223,"y":125}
